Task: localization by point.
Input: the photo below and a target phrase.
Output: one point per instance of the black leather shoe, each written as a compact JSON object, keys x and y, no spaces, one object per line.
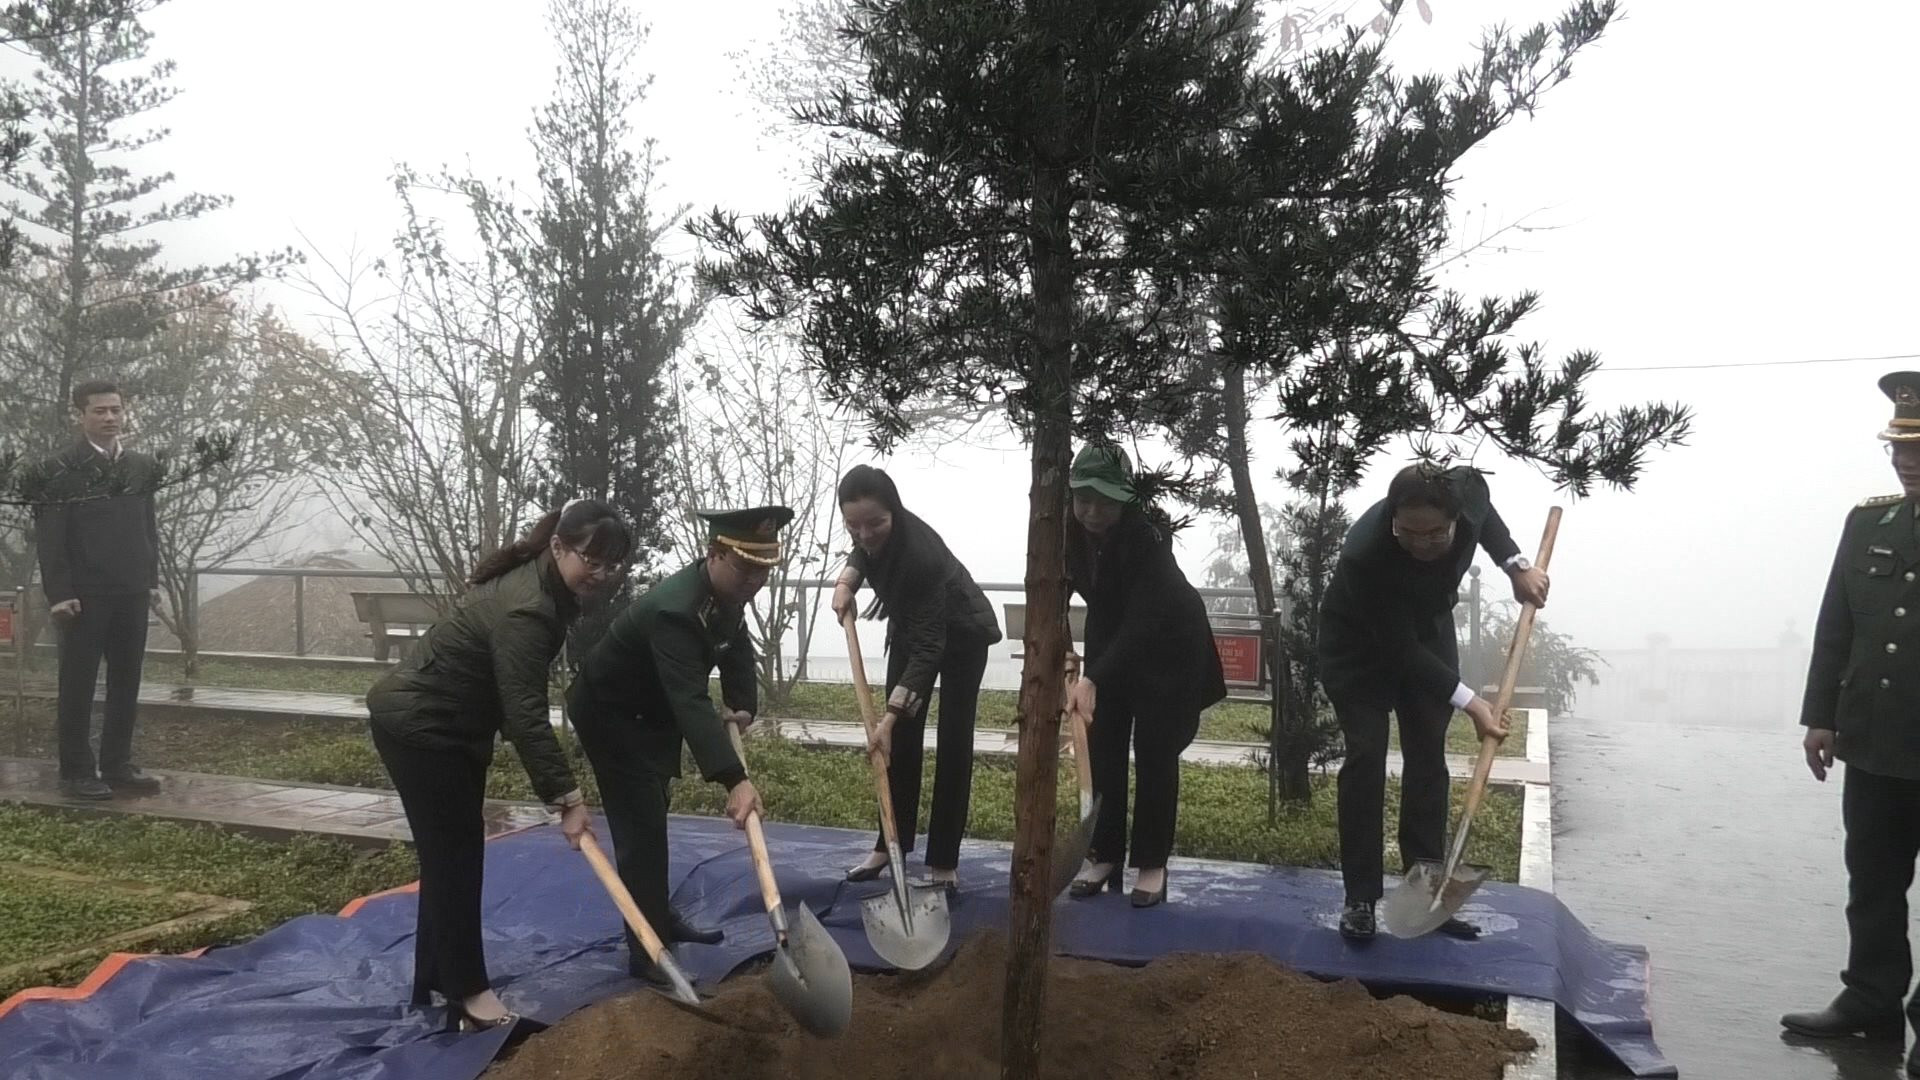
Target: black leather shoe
{"x":1459,"y":928}
{"x":679,"y":929}
{"x":1834,"y":1022}
{"x":88,"y":788}
{"x":133,"y":781}
{"x":865,"y":873}
{"x":1141,"y":898}
{"x":1357,"y":921}
{"x":458,"y":1020}
{"x":1082,"y":888}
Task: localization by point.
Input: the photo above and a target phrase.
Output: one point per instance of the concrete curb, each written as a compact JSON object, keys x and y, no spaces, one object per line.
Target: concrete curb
{"x":1536,"y":1016}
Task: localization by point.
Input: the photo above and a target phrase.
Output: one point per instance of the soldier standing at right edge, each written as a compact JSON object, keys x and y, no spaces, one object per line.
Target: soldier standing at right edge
{"x":1862,"y":706}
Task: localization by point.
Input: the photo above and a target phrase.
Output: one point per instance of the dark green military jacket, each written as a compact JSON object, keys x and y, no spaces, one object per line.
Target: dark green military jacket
{"x":1864,"y":681}
{"x":483,"y":669}
{"x":653,"y":666}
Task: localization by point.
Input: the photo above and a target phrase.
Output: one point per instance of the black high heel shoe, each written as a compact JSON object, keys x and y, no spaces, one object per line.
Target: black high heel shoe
{"x":1142,"y":899}
{"x":462,"y":1022}
{"x":1082,"y":888}
{"x":867,"y":873}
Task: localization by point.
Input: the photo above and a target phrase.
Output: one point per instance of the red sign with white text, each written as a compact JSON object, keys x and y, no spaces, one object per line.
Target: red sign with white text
{"x":1240,"y":659}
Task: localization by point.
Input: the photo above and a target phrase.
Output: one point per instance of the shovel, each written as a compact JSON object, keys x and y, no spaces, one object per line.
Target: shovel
{"x":908,"y":927}
{"x":1071,"y":850}
{"x":1432,"y":891}
{"x":810,"y":977}
{"x":679,"y":989}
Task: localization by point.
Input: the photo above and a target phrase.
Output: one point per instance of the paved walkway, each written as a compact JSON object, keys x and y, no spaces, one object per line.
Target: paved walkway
{"x":1002,"y":741}
{"x":360,"y":815}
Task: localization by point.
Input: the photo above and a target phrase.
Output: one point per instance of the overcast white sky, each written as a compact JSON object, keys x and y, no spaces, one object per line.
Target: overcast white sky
{"x":1728,"y":186}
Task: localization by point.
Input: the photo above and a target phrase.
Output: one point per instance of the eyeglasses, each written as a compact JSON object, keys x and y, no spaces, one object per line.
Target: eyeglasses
{"x":596,"y":567}
{"x":1441,"y":535}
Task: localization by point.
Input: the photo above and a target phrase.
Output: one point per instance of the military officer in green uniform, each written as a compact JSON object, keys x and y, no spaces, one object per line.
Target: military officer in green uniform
{"x":643,"y":691}
{"x":1863,"y":707}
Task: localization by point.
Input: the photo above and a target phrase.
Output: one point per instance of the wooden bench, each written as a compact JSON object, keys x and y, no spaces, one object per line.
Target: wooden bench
{"x":1017,"y":625}
{"x":395,"y":618}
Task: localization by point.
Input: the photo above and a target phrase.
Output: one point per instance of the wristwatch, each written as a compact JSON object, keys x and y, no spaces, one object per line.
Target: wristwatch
{"x":1519,"y":562}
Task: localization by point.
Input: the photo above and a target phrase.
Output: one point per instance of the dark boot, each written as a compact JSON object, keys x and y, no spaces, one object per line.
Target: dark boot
{"x":1837,"y":1022}
{"x":86,"y":788}
{"x":679,"y":929}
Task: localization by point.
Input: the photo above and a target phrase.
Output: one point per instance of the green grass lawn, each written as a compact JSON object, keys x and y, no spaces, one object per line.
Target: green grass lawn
{"x":282,"y":880}
{"x":1230,"y":721}
{"x":40,"y":916}
{"x":1223,"y":808}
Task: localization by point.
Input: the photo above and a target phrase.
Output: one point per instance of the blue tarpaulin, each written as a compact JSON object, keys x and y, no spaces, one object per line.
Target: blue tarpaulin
{"x":324,"y":997}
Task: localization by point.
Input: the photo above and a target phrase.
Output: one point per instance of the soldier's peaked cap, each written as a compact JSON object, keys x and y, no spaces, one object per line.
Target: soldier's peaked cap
{"x":1903,"y":389}
{"x":754,"y":532}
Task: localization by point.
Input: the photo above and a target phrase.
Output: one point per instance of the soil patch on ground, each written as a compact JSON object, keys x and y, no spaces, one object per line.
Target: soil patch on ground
{"x":1187,"y":1016}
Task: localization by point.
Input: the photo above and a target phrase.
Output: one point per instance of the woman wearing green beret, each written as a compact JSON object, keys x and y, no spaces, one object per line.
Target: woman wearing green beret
{"x":939,"y":626}
{"x":479,"y":672}
{"x":1150,"y":670}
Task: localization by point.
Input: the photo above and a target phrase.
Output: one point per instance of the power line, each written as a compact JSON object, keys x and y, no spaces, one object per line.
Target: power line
{"x":1760,"y":363}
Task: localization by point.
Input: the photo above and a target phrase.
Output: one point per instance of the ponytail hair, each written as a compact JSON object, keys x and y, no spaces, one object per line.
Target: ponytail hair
{"x":588,"y":526}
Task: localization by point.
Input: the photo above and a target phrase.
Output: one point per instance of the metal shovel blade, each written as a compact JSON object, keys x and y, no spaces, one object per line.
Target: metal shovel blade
{"x":810,"y":977}
{"x":909,"y":937}
{"x":1070,"y":851}
{"x":1412,"y":909}
{"x":678,"y":988}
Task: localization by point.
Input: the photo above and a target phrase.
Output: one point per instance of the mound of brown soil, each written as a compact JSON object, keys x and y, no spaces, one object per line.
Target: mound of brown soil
{"x":1188,"y":1016}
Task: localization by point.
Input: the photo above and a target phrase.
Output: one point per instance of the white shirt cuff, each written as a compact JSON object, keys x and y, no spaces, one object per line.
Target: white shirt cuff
{"x":1507,"y":564}
{"x":1461,"y":695}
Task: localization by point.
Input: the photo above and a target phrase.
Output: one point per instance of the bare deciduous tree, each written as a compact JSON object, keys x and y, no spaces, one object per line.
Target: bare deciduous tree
{"x":434,"y":465}
{"x":225,"y":367}
{"x":750,"y":429}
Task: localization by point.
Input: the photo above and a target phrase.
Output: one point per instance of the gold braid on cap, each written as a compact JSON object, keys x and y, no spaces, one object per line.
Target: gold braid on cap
{"x":764,"y":553}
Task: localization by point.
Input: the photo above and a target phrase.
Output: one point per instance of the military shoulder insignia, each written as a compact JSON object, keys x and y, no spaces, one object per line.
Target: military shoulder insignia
{"x":1879,"y":500}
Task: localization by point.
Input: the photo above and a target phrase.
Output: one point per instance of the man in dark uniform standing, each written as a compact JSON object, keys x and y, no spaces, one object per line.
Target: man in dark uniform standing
{"x":643,"y":691}
{"x":1862,"y":706}
{"x":99,"y":544}
{"x":1387,"y":645}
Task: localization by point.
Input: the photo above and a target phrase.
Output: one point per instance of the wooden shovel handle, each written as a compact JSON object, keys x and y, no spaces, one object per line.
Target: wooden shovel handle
{"x":622,"y":899}
{"x":756,"y":839}
{"x":870,"y":719}
{"x":1082,"y":764}
{"x":1516,"y":652}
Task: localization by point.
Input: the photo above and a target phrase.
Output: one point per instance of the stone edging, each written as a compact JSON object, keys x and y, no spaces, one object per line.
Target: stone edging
{"x":1536,"y":1016}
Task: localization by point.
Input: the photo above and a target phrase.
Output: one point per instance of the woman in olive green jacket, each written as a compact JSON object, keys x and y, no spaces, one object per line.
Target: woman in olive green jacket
{"x":480,"y":672}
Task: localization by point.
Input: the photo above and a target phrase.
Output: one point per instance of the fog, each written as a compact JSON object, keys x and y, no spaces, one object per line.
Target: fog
{"x":1722,"y":201}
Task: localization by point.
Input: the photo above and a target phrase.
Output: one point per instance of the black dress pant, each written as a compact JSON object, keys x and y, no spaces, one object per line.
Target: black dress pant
{"x":961,"y":670}
{"x":1156,"y":741}
{"x":634,"y":795}
{"x":443,"y":792}
{"x":1882,"y":817}
{"x":113,"y":628}
{"x":1424,"y":780}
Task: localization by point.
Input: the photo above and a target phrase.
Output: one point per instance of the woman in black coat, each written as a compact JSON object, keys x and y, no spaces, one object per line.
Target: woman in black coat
{"x":1151,"y":669}
{"x":939,"y":625}
{"x":482,"y":671}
